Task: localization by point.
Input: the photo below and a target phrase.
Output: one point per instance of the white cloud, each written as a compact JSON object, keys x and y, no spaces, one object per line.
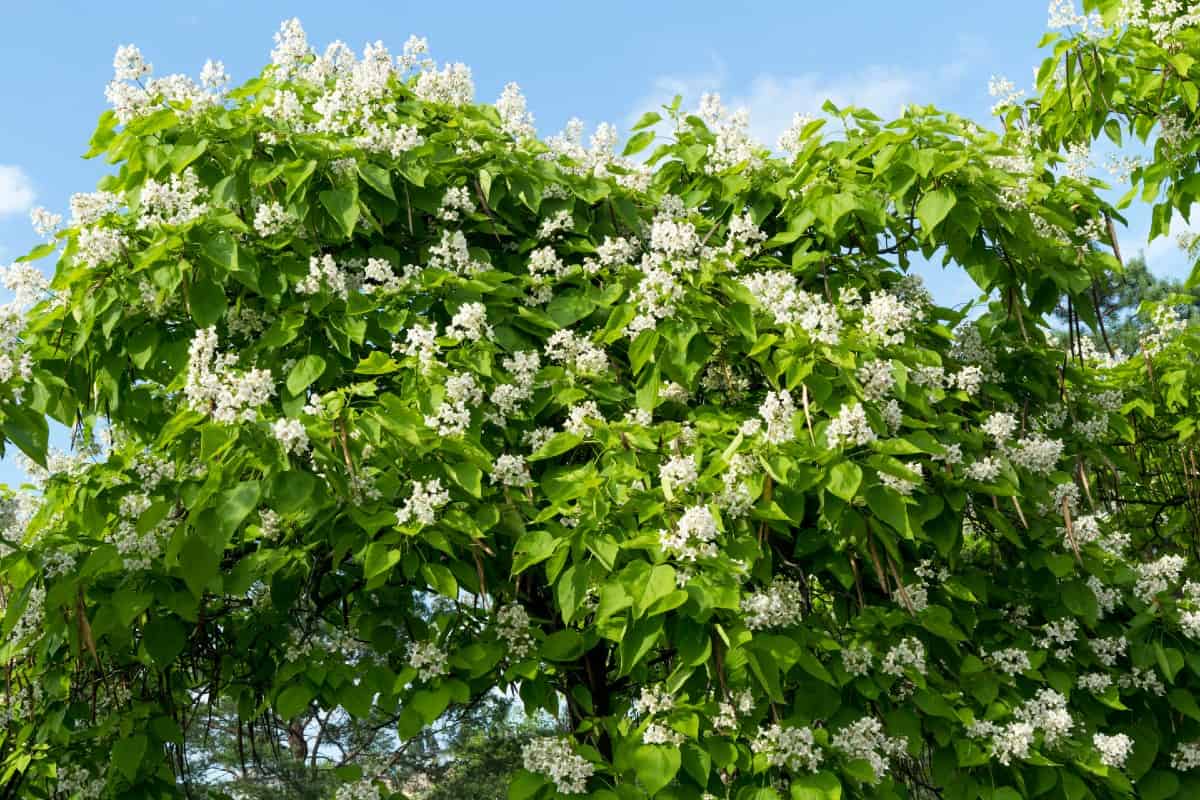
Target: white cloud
{"x":16,"y":190}
{"x":772,"y":99}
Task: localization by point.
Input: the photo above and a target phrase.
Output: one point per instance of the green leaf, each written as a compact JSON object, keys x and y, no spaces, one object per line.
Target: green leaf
{"x":293,"y":700}
{"x":165,"y":638}
{"x":221,"y":251}
{"x":342,"y":205}
{"x":199,"y":563}
{"x":377,"y":178}
{"x":655,"y":766}
{"x":127,"y":754}
{"x":304,"y":373}
{"x":1158,"y":784}
{"x":844,"y":480}
{"x":466,"y":475}
{"x":440,"y":578}
{"x":564,"y":645}
{"x":818,"y":786}
{"x":378,"y":559}
{"x":532,"y":548}
{"x":524,"y":785}
{"x":28,"y":430}
{"x":647,"y":119}
{"x":933,"y":208}
{"x":207,"y":301}
{"x":638,"y":142}
{"x":887,"y":506}
{"x":658,"y":585}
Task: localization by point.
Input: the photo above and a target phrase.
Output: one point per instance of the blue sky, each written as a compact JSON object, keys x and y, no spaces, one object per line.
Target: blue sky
{"x":604,"y":62}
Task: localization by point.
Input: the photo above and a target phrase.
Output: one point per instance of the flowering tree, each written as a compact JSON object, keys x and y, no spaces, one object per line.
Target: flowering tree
{"x":381,"y":405}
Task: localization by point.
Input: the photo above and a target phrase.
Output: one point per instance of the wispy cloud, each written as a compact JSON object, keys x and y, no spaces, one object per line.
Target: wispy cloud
{"x":772,"y":99}
{"x":16,"y":190}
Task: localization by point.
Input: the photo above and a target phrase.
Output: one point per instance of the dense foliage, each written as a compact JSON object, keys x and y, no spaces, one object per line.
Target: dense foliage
{"x":382,"y":407}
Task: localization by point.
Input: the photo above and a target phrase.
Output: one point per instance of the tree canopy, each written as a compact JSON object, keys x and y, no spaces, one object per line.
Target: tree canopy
{"x":382,"y":406}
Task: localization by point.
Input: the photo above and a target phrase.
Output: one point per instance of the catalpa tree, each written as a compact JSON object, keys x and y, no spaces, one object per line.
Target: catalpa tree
{"x":381,"y":404}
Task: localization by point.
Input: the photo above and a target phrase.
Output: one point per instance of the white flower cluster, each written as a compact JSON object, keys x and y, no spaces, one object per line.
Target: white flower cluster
{"x":508,"y":397}
{"x":1011,"y":661}
{"x":452,"y":254}
{"x":1186,"y":756}
{"x":857,"y":661}
{"x":794,"y":749}
{"x":679,"y":471}
{"x":653,"y":700}
{"x":779,"y":295}
{"x":470,"y":323}
{"x":1155,"y":577}
{"x":216,"y":388}
{"x":777,"y":411}
{"x":510,"y":470}
{"x":791,"y":141}
{"x":177,"y":201}
{"x":985,"y":470}
{"x":580,"y":418}
{"x":1114,"y":750}
{"x":1045,"y":712}
{"x":78,"y":783}
{"x":133,"y":93}
{"x":453,"y":415}
{"x":908,"y":654}
{"x":512,"y":626}
{"x":850,"y":427}
{"x":554,"y":758}
{"x":693,"y":537}
{"x":96,"y":246}
{"x":271,"y":219}
{"x":422,"y":505}
{"x":290,"y":433}
{"x":576,"y":353}
{"x":515,"y":118}
{"x":733,"y":145}
{"x":359,"y":790}
{"x":865,"y":739}
{"x":888,"y":318}
{"x":877,"y":378}
{"x":780,"y":605}
{"x":455,"y":203}
{"x":904,"y":486}
{"x":428,"y":660}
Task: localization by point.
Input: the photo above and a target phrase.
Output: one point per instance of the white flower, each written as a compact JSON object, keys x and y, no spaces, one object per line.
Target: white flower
{"x":850,"y":426}
{"x":512,"y":626}
{"x":1000,"y":426}
{"x":427,"y":497}
{"x":777,"y":410}
{"x":1011,"y":661}
{"x":679,"y":471}
{"x":908,"y":654}
{"x":291,"y":434}
{"x":427,"y":659}
{"x":857,"y":660}
{"x":554,"y":758}
{"x":865,"y":739}
{"x":1155,"y":577}
{"x":778,"y":606}
{"x":216,"y":388}
{"x":888,"y":318}
{"x":452,"y":86}
{"x":177,"y":201}
{"x":44,"y":223}
{"x":693,"y":537}
{"x":792,"y":748}
{"x":1114,"y":750}
{"x":515,"y":118}
{"x":985,"y":470}
{"x":510,"y":470}
{"x":877,"y":378}
{"x":470,"y":323}
{"x":580,"y":418}
{"x":271,"y":218}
